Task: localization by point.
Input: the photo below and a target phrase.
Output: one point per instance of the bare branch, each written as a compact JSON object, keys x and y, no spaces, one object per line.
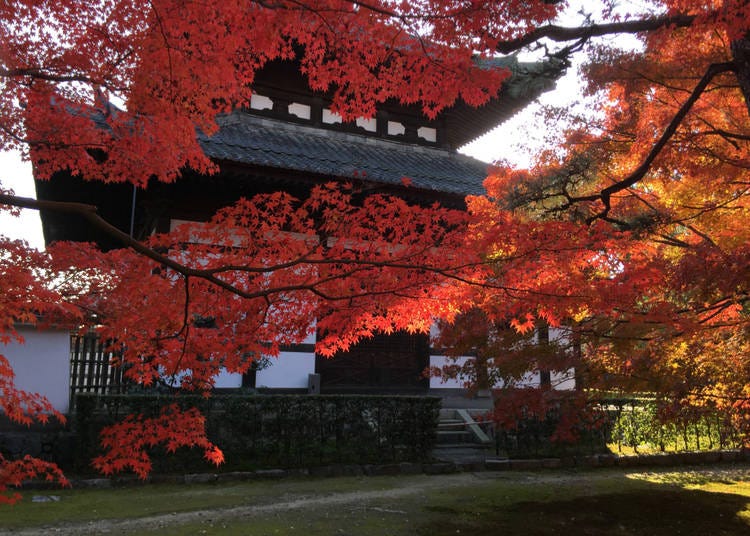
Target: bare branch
{"x":563,"y":34}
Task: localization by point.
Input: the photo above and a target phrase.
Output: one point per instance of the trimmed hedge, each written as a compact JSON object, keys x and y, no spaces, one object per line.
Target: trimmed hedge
{"x":533,"y":438}
{"x":279,"y":431}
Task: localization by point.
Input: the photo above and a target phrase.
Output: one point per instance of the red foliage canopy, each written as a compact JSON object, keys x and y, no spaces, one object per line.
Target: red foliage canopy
{"x":633,"y":237}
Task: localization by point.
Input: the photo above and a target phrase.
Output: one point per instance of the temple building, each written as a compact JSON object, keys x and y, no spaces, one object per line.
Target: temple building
{"x":289,"y":139}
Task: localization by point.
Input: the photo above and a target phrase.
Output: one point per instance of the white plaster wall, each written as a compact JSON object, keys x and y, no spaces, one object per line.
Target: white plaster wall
{"x":42,"y":364}
{"x":289,"y":370}
{"x":440,"y":361}
{"x":260,"y":102}
{"x":531,"y":379}
{"x":563,"y":381}
{"x":228,"y":380}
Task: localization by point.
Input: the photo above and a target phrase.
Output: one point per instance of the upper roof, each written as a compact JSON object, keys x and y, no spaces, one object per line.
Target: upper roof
{"x":260,"y":141}
{"x":244,"y":137}
{"x":262,"y":149}
{"x":282,"y":83}
{"x":527,"y":82}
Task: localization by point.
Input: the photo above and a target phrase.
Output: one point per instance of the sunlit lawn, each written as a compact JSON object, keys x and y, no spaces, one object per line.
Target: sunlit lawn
{"x":711,"y":501}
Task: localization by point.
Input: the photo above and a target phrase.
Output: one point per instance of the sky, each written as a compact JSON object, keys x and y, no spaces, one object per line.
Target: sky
{"x":16,"y":175}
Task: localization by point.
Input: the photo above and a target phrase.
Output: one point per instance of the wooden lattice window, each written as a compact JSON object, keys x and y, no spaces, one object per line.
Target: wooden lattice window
{"x":91,"y":368}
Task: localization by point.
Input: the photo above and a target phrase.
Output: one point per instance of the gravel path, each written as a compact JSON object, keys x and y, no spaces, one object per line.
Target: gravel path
{"x":405,"y":486}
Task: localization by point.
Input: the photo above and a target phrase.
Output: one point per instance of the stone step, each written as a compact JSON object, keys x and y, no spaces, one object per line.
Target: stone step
{"x":447,"y":413}
{"x":460,"y":447}
{"x":452,"y":425}
{"x":453,"y":437}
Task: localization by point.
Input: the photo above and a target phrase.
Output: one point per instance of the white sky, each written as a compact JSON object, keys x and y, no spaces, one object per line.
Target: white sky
{"x":16,"y":175}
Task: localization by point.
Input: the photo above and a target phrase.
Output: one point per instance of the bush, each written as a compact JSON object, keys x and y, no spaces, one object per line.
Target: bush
{"x":639,"y":423}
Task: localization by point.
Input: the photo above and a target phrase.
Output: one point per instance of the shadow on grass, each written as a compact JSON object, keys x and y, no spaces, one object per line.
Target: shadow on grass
{"x":657,"y":510}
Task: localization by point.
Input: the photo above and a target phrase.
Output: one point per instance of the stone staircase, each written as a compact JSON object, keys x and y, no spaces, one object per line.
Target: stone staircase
{"x":461,"y":439}
{"x":453,"y":429}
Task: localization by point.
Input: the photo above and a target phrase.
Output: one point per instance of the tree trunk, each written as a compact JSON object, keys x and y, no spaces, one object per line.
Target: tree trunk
{"x":741,"y":58}
{"x":545,"y":377}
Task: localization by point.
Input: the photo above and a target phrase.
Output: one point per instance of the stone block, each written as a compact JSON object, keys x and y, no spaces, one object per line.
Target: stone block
{"x":323,"y":471}
{"x":713,"y":456}
{"x":656,"y":459}
{"x":167,"y":479}
{"x":235,"y":476}
{"x":627,"y":461}
{"x":408,"y":468}
{"x":270,"y":473}
{"x":692,"y":458}
{"x":497,"y":464}
{"x":525,"y":465}
{"x":201,"y":478}
{"x":470,"y":466}
{"x":441,"y":468}
{"x":389,"y":469}
{"x":588,"y":461}
{"x":98,"y":483}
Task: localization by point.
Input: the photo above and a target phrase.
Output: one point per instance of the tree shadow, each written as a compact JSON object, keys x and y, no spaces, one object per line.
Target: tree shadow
{"x":654,"y":509}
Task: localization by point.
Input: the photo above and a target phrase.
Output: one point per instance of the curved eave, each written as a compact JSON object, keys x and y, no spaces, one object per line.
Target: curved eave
{"x":464,"y":123}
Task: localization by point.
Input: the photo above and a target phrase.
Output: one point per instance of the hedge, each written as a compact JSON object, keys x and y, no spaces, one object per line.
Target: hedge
{"x":277,"y":431}
{"x":533,"y":438}
{"x":637,"y":422}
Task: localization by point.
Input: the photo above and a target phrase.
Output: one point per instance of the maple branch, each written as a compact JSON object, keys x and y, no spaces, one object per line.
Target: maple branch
{"x":42,"y":74}
{"x":606,"y":194}
{"x":377,"y":9}
{"x":90,"y":213}
{"x":728,"y":136}
{"x":566,"y":33}
{"x":168,"y":47}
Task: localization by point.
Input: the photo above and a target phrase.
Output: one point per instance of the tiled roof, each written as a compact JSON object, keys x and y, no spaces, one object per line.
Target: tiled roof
{"x":248,"y":139}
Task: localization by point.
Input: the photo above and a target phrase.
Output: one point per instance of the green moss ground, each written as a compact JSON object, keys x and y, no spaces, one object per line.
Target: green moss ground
{"x":667,"y":502}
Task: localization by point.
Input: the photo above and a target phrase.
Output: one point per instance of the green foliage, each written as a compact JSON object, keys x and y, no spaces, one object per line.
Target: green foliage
{"x":632,"y":425}
{"x":280,"y":431}
{"x":649,"y":424}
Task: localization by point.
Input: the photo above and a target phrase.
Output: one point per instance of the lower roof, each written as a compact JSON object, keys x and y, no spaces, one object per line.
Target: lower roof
{"x":259,"y":141}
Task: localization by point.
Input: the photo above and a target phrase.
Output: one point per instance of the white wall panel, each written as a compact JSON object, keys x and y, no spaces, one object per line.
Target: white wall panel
{"x":42,"y":364}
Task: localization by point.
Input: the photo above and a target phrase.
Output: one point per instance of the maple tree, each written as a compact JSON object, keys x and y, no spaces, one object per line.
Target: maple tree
{"x":631,"y":235}
{"x":632,"y":238}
